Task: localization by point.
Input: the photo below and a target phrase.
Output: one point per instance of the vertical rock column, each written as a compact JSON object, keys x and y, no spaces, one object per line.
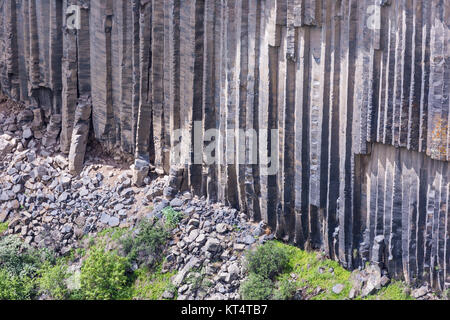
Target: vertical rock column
{"x":82,"y":116}
{"x":210,"y":106}
{"x":56,"y":53}
{"x":33,"y":62}
{"x":69,"y":82}
{"x":80,"y":135}
{"x":10,"y":64}
{"x":251,"y":170}
{"x":100,"y":28}
{"x":157,"y":80}
{"x":123,"y":16}
{"x":144,"y":134}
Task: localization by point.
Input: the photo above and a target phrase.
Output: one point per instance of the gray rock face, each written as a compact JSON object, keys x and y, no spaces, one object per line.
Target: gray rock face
{"x":140,"y":171}
{"x":420,"y":292}
{"x":114,"y":222}
{"x":222,"y":228}
{"x":27,"y":133}
{"x":351,"y":131}
{"x":368,"y":281}
{"x":176,"y":203}
{"x":182,"y":274}
{"x":337,"y":289}
{"x":6,"y":145}
{"x":212,"y":245}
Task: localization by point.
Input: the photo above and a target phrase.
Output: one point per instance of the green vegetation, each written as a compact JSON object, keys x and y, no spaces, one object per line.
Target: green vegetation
{"x":146,"y":247}
{"x":151,"y":285}
{"x":107,"y":274}
{"x":264,"y":264}
{"x":306,"y":266}
{"x":268,"y":260}
{"x":114,"y":233}
{"x":106,"y":266}
{"x":19,"y":266}
{"x":172,"y":217}
{"x":52,"y":281}
{"x":104,"y":275}
{"x":3,"y":227}
{"x":286,"y":290}
{"x":395,"y":291}
{"x":127,"y":264}
{"x":311,"y":271}
{"x":14,"y":287}
{"x":19,"y":259}
{"x":256,"y":287}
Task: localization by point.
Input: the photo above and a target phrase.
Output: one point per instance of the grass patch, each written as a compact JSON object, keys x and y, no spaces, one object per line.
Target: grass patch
{"x":3,"y":227}
{"x":150,"y":285}
{"x":395,"y":291}
{"x":300,"y":260}
{"x":256,"y":287}
{"x":305,"y":265}
{"x":114,"y":233}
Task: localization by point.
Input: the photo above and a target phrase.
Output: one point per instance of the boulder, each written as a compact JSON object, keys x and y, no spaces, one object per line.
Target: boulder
{"x":7,"y":144}
{"x":140,"y":171}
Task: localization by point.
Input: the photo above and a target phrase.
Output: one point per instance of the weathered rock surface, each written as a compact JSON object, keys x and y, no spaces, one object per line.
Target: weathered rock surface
{"x":49,"y":207}
{"x":359,"y":101}
{"x":80,"y":135}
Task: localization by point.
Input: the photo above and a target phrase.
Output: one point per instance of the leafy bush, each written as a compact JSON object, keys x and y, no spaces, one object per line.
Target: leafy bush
{"x":172,"y":217}
{"x":147,"y":245}
{"x":268,"y":260}
{"x":52,"y":281}
{"x":256,"y":287}
{"x":286,"y":290}
{"x":14,"y":287}
{"x":20,"y":259}
{"x":104,"y":275}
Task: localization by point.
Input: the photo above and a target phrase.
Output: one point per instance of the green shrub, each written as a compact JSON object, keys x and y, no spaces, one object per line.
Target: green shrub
{"x":104,"y":275}
{"x":172,"y":217}
{"x":286,"y":290}
{"x":14,"y":287}
{"x":20,"y":259}
{"x":52,"y":281}
{"x":268,"y":260}
{"x":256,"y":287}
{"x":146,"y":247}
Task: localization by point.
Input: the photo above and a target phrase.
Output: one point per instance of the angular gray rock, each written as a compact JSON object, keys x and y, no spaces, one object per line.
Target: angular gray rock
{"x":80,"y":135}
{"x":140,"y":170}
{"x":364,"y":135}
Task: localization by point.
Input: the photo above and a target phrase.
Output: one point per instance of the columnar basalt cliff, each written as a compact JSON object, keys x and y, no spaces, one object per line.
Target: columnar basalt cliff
{"x":357,"y":90}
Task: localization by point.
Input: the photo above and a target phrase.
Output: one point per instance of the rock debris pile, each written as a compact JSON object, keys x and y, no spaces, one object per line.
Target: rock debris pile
{"x":48,"y":207}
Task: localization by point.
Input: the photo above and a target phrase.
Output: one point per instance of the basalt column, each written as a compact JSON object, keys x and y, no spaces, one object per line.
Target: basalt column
{"x":328,"y":119}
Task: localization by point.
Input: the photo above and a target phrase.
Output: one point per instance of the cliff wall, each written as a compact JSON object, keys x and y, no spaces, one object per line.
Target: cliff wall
{"x":356,"y":93}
